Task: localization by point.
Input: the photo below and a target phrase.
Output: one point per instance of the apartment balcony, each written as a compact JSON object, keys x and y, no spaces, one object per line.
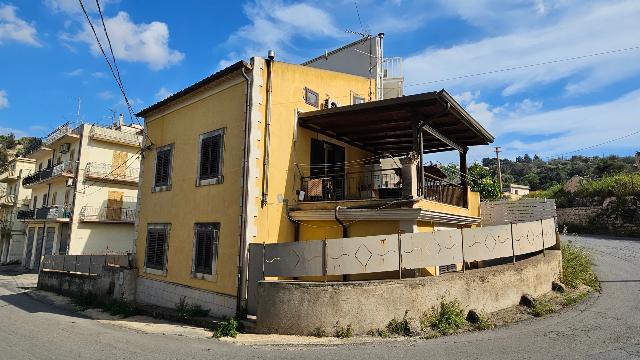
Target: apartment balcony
{"x":359,"y":185}
{"x":108,"y":214}
{"x":115,"y":136}
{"x":111,"y":173}
{"x":64,"y":169}
{"x":9,"y":175}
{"x":7,"y":200}
{"x":58,"y":213}
{"x":61,"y":131}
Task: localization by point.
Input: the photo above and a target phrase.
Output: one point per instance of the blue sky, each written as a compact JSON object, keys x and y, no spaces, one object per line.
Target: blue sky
{"x":49,"y":59}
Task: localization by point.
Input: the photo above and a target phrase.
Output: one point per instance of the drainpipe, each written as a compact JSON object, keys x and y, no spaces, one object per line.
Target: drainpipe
{"x":242,"y":256}
{"x":345,"y":233}
{"x":267,"y":133}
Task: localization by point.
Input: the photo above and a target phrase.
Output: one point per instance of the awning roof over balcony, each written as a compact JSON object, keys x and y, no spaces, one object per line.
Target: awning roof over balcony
{"x":390,"y":126}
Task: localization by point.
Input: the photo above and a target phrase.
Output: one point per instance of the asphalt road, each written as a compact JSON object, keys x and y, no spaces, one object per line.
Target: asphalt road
{"x":606,"y":326}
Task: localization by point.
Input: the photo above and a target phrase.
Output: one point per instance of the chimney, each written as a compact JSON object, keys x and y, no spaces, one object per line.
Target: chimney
{"x":121,"y":120}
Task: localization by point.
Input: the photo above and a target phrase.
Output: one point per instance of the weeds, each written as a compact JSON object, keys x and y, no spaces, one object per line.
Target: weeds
{"x":576,"y":268}
{"x":319,"y":332}
{"x":188,"y":311}
{"x":343,"y":332}
{"x":378,"y":332}
{"x":119,"y":307}
{"x":227,"y":328}
{"x":400,"y":327}
{"x":85,"y":300}
{"x":574,"y":299}
{"x":483,"y":323}
{"x":446,"y":319}
{"x":89,"y":300}
{"x":542,"y":308}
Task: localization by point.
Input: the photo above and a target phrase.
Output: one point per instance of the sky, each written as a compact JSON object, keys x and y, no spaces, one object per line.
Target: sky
{"x":51,"y":66}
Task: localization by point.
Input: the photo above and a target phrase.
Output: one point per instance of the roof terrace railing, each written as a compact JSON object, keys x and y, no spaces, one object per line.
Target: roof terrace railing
{"x":392,"y":67}
{"x":117,"y":136}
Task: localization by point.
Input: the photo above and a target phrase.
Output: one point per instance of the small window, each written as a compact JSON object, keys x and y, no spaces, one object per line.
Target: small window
{"x":311,"y":97}
{"x":157,"y":238}
{"x":357,"y":99}
{"x":205,"y":249}
{"x":163,"y":168}
{"x":210,"y":167}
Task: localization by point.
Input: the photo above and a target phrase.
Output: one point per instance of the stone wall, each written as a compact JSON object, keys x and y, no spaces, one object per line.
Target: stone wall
{"x":116,"y":282}
{"x":616,"y":216}
{"x":293,"y":307}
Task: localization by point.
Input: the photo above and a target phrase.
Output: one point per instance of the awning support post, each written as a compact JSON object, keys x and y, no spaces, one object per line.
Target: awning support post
{"x":464,"y":177}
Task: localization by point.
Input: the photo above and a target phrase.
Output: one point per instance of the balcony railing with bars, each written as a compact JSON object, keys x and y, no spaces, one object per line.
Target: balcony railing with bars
{"x":443,"y":191}
{"x":361,"y":185}
{"x":7,"y":199}
{"x":107,"y":214}
{"x":115,"y":136}
{"x":65,"y":168}
{"x":45,"y":213}
{"x":112,"y":172}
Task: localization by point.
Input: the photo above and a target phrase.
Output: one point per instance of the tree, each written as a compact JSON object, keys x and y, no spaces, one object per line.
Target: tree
{"x":482,"y":181}
{"x":29,"y":145}
{"x":8,"y":141}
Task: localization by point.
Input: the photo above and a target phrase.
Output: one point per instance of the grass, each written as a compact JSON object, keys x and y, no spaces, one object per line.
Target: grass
{"x":378,"y":332}
{"x":576,"y":298}
{"x":400,"y":327}
{"x":542,"y":308}
{"x":319,"y":332}
{"x":188,"y":311}
{"x":483,"y":323}
{"x":577,"y":268}
{"x":227,"y":328}
{"x":343,"y":332}
{"x":89,"y":300}
{"x":446,"y":319}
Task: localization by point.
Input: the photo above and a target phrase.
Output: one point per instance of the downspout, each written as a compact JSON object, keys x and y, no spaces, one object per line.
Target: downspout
{"x":267,"y":133}
{"x":242,"y":256}
{"x":74,"y":187}
{"x":345,"y":233}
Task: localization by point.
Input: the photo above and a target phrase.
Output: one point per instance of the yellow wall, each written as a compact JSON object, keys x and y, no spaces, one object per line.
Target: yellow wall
{"x":186,"y":203}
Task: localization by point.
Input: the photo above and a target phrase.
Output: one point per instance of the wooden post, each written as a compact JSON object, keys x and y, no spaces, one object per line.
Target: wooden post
{"x":463,"y":177}
{"x":324,"y":259}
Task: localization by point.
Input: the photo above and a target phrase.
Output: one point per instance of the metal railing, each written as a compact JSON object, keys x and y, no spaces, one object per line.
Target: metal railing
{"x":108,"y":214}
{"x":57,"y":134}
{"x":112,"y":173}
{"x":7,"y":199}
{"x":25,"y":214}
{"x":45,"y":213}
{"x":443,"y":191}
{"x":111,"y":135}
{"x":64,"y":168}
{"x":392,"y":67}
{"x":360,"y":185}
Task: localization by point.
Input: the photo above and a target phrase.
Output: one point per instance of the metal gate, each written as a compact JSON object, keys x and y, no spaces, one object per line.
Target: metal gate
{"x":28,"y":251}
{"x":38,"y":253}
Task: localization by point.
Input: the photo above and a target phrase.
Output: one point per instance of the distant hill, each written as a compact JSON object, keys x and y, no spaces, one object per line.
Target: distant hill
{"x":10,"y":147}
{"x":540,"y":174}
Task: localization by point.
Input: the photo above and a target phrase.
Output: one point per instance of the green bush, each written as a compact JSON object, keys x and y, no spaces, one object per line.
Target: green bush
{"x":378,"y":332}
{"x":89,"y":300}
{"x":343,"y":332}
{"x":483,"y":323}
{"x":446,"y":319}
{"x":119,"y":307}
{"x":400,"y":327}
{"x":577,"y":267}
{"x":542,"y":308}
{"x":188,"y":311}
{"x":227,"y":328}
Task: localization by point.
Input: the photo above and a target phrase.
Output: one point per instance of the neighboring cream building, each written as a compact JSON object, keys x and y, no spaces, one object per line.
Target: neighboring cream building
{"x":13,"y":197}
{"x":517,"y":191}
{"x":83,"y":192}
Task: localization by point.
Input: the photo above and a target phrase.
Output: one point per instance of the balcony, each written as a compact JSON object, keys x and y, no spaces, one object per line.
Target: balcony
{"x":60,"y":132}
{"x":358,"y":185}
{"x":111,"y":173}
{"x":66,"y":168}
{"x":108,"y":214}
{"x":57,"y":212}
{"x":115,"y":136}
{"x":10,"y":174}
{"x":7,"y":200}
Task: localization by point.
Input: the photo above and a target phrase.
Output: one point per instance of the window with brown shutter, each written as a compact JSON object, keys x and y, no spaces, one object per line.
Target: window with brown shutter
{"x":205,"y":252}
{"x":211,"y":151}
{"x":162,"y":180}
{"x":157,"y":238}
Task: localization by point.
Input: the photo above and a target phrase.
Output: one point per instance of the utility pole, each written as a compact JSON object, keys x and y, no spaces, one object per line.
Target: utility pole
{"x":498,"y":163}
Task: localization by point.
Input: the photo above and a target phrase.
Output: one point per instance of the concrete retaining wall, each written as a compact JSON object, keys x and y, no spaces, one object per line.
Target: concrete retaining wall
{"x":110,"y":281}
{"x":288,"y":307}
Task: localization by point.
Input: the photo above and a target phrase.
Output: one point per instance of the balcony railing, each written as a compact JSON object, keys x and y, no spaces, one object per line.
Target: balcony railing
{"x":392,"y":67}
{"x":7,"y":199}
{"x":109,"y":172}
{"x":25,"y":215}
{"x":361,"y":185}
{"x":66,"y":168}
{"x":116,"y":136}
{"x":45,"y":213}
{"x":59,"y":132}
{"x":443,"y":191}
{"x":108,"y":214}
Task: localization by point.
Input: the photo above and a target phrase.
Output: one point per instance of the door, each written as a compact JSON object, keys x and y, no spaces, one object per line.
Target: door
{"x":327,"y":162}
{"x":48,"y":241}
{"x":64,"y":239}
{"x":118,"y":164}
{"x":114,"y":205}
{"x":38,"y":252}
{"x":28,"y":251}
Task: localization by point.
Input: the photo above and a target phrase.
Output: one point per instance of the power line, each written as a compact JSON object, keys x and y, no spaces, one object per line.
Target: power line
{"x":608,"y":52}
{"x":637,"y":132}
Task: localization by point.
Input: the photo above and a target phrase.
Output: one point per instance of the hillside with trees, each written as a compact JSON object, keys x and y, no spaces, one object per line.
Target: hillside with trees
{"x":10,"y":147}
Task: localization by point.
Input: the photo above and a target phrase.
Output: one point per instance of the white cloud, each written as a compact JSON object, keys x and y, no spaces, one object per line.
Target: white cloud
{"x":75,"y":72}
{"x":274,"y":25}
{"x":163,"y":93}
{"x":106,"y":95}
{"x":73,"y":6}
{"x":17,"y":132}
{"x":99,"y":75}
{"x":16,"y":29}
{"x":143,"y":42}
{"x":577,"y":30}
{"x":4,"y":100}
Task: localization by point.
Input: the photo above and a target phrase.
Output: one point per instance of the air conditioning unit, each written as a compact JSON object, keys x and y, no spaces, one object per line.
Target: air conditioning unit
{"x":64,"y":148}
{"x":330,"y":103}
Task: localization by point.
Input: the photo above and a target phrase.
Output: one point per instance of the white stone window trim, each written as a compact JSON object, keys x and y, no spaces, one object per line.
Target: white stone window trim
{"x":213,"y":277}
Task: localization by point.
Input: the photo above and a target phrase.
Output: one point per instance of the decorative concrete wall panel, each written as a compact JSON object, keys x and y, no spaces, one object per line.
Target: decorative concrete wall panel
{"x":359,"y":255}
{"x":293,"y":259}
{"x":549,"y":232}
{"x":527,"y":237}
{"x":487,"y":243}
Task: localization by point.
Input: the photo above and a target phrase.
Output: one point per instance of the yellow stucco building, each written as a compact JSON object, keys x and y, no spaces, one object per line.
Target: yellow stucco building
{"x":266,"y":152}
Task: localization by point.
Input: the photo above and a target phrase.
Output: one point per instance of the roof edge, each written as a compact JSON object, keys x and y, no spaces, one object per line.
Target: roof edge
{"x":335,"y":51}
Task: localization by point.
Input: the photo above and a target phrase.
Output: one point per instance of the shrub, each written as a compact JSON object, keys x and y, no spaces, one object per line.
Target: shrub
{"x":119,"y":307}
{"x":319,"y":332}
{"x":576,"y":267}
{"x":378,"y":332}
{"x":227,"y":328}
{"x":188,"y":311}
{"x":574,"y":299}
{"x":343,"y":332}
{"x":445,"y":319}
{"x":400,"y":327}
{"x":85,"y":300}
{"x":542,"y":308}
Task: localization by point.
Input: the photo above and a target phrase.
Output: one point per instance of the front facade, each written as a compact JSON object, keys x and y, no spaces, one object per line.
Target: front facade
{"x":83,"y":192}
{"x":267,"y":152}
{"x":13,"y":197}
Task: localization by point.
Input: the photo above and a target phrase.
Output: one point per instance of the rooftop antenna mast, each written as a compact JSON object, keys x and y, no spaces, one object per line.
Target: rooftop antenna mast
{"x":78,"y":114}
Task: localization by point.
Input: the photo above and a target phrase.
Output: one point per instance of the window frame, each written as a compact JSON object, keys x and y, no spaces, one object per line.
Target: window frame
{"x":167,"y":228}
{"x":167,"y":187}
{"x":217,"y":179}
{"x":214,"y":257}
{"x":308,"y":91}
